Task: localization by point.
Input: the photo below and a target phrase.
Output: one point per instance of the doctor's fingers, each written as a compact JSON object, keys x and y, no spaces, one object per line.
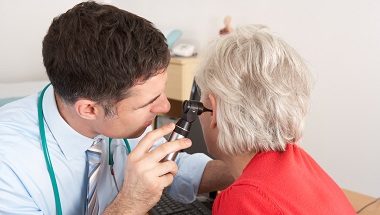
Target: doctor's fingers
{"x":148,"y":140}
{"x":165,"y":168}
{"x":166,"y":179}
{"x":165,"y":172}
{"x":157,"y":184}
{"x":164,"y":149}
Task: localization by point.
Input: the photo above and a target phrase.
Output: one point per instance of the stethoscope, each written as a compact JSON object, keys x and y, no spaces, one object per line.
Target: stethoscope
{"x":47,"y":155}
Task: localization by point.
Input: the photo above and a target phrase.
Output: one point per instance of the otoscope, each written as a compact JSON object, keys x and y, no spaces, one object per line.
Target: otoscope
{"x":190,"y":110}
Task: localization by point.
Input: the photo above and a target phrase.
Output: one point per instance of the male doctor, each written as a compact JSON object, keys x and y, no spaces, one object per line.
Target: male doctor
{"x":107,"y":69}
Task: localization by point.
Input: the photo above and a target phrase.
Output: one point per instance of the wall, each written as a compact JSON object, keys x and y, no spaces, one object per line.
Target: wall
{"x":339,"y":39}
{"x":23,"y":24}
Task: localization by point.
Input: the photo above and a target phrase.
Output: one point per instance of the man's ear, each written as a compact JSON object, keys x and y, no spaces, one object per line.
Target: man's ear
{"x":87,"y":109}
{"x":214,"y":110}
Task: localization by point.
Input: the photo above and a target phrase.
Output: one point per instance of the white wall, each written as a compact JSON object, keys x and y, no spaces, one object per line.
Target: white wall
{"x":23,"y":24}
{"x":339,"y":39}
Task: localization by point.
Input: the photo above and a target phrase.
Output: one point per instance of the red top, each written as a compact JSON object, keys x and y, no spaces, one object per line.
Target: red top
{"x":289,"y":182}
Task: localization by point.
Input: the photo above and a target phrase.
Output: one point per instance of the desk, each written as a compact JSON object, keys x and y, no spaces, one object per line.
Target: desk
{"x":359,"y":200}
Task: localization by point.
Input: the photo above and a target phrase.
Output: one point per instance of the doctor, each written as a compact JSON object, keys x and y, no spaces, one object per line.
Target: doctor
{"x":107,"y":72}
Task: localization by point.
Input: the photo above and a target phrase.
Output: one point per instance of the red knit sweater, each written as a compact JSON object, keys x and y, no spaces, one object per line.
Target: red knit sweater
{"x":289,"y":182}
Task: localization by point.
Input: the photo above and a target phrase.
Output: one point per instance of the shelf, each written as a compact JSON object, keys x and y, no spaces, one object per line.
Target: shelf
{"x":180,"y":78}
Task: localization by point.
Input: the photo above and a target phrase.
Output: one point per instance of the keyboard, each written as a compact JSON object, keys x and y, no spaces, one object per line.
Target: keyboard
{"x":168,"y":206}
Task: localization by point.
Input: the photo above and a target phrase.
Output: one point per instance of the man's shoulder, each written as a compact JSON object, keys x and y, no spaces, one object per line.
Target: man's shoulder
{"x":18,"y":122}
{"x":21,"y":110}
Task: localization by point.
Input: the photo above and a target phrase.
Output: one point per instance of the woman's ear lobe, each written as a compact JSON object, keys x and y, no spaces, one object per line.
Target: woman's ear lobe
{"x":214,"y":110}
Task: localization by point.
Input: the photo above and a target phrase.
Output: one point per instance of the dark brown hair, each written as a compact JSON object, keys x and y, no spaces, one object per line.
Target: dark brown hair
{"x":98,"y":52}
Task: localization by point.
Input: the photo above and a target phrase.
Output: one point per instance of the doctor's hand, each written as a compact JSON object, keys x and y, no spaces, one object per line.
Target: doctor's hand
{"x":145,"y":176}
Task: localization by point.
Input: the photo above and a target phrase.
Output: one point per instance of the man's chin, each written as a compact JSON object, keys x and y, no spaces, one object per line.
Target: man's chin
{"x":137,"y":134}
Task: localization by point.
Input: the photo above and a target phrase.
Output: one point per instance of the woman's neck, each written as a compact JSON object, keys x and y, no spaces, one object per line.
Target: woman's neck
{"x":237,"y":164}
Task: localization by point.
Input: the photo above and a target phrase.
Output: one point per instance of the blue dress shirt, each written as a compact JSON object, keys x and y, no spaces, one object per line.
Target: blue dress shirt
{"x":25,"y":186}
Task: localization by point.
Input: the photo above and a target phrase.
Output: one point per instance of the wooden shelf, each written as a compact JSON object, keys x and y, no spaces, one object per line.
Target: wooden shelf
{"x":180,"y":78}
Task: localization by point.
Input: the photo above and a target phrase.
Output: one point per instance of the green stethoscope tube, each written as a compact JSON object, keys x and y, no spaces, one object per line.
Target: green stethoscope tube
{"x":110,"y":157}
{"x":47,"y":155}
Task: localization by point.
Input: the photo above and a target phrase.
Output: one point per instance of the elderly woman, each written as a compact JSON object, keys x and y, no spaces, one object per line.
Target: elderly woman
{"x":259,"y":90}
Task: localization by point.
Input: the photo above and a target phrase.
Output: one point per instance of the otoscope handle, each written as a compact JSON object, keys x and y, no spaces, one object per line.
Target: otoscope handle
{"x":181,"y":130}
{"x":190,"y":110}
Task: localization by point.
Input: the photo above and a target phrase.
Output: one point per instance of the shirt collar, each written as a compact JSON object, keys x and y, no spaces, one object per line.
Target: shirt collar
{"x":70,"y":141}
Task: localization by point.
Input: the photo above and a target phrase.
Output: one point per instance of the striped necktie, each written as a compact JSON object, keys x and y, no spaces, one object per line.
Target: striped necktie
{"x":94,"y":154}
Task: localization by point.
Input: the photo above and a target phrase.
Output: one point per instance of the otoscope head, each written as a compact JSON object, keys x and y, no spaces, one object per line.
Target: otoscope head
{"x":194,"y":107}
{"x":191,"y":108}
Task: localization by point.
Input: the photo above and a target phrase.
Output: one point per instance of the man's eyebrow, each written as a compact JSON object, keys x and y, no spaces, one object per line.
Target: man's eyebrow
{"x":151,"y":101}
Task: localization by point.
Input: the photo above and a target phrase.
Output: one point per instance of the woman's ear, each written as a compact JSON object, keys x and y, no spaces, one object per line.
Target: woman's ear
{"x":87,"y":109}
{"x":212,"y":99}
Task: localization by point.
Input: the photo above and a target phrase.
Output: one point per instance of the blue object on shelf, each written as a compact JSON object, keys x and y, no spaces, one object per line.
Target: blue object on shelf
{"x":172,"y":37}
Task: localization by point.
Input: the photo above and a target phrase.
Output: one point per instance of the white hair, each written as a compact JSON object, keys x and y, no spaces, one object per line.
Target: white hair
{"x":262,"y":88}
